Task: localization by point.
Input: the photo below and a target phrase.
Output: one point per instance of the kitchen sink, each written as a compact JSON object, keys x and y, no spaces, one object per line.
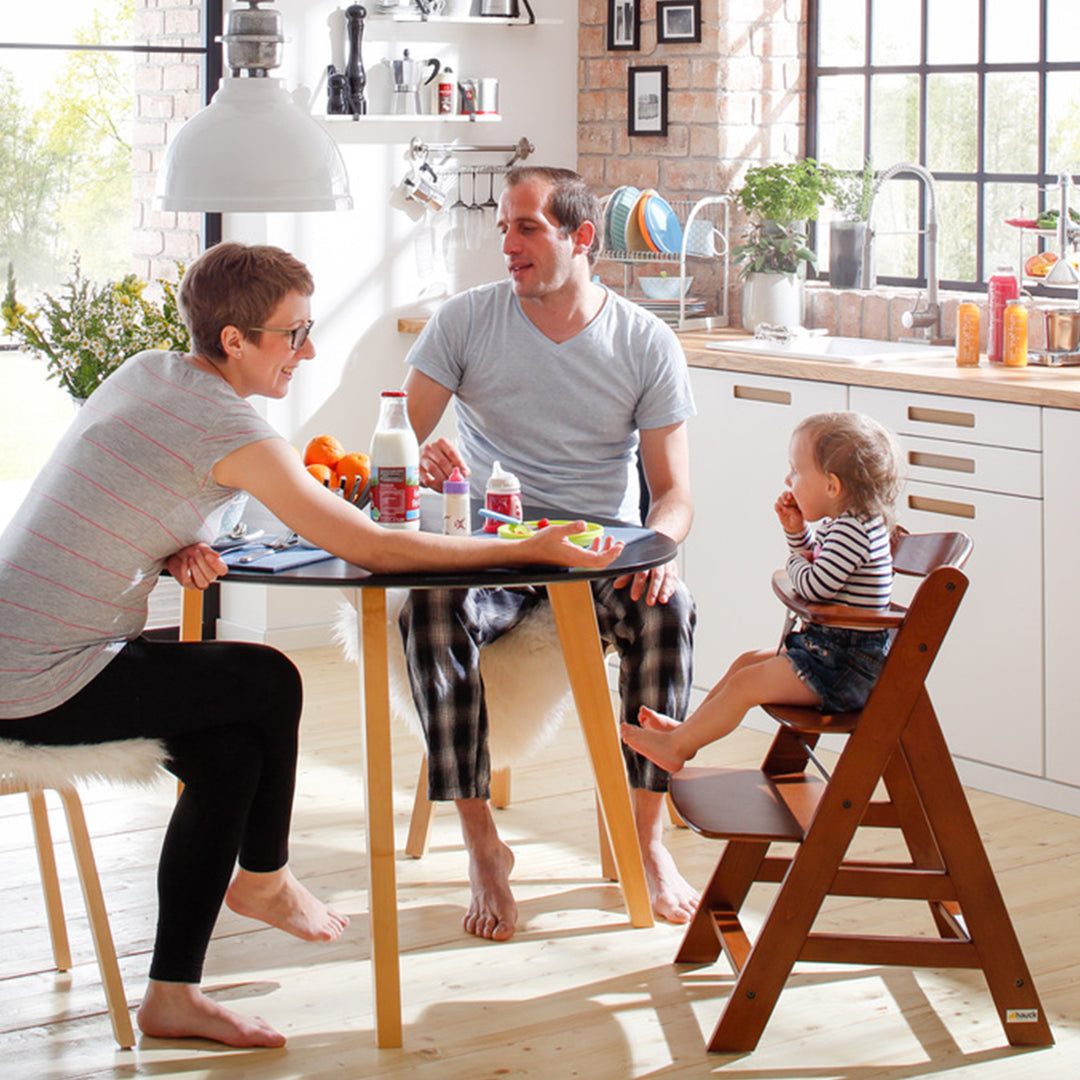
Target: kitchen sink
{"x":837,"y":350}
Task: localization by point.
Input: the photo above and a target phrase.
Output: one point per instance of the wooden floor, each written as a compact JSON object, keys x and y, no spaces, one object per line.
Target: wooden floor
{"x":577,"y":993}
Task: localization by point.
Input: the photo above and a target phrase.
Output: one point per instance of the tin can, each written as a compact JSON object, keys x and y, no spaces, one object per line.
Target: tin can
{"x":967,"y":334}
{"x":1016,"y":334}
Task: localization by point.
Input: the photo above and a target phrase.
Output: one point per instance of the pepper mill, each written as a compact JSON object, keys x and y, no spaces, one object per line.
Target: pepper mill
{"x":337,"y":93}
{"x":354,"y":67}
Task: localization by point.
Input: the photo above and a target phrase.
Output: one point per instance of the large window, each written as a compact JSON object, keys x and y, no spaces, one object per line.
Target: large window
{"x":984,"y":93}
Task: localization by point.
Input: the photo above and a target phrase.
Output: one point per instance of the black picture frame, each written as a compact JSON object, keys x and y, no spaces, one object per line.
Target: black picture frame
{"x":678,"y":21}
{"x":624,"y":25}
{"x":647,"y":92}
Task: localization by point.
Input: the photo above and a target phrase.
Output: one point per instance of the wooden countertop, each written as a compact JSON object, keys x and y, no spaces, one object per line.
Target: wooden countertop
{"x":1035,"y":385}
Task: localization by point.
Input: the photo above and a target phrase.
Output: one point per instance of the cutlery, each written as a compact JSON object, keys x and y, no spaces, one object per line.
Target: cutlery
{"x":506,"y":519}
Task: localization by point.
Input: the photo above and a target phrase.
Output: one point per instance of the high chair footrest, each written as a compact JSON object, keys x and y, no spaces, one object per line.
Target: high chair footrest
{"x":745,"y":804}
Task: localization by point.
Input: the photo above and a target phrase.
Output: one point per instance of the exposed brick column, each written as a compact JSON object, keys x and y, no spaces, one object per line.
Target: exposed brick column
{"x":168,"y":90}
{"x":735,"y":100}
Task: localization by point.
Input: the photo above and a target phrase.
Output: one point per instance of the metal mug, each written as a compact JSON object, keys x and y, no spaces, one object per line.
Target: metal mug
{"x":487,"y":98}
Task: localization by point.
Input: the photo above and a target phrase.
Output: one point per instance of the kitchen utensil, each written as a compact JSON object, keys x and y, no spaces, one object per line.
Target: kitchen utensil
{"x":659,"y":224}
{"x":356,"y":77}
{"x":620,"y":204}
{"x":408,"y":78}
{"x":506,"y":519}
{"x":505,"y":9}
{"x":665,"y":288}
{"x":1062,"y":329}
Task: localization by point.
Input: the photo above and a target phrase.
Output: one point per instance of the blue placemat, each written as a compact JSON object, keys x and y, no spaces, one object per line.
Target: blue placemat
{"x":270,"y":561}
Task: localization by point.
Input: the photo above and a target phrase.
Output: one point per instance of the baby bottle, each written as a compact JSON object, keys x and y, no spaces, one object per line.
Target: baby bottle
{"x":503,"y":495}
{"x":456,"y":509}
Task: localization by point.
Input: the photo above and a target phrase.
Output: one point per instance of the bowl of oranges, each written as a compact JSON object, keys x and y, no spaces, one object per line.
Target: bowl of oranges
{"x":346,"y":473}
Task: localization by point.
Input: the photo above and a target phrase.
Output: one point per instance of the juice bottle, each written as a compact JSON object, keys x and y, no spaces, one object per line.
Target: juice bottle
{"x":967,"y":334}
{"x":1016,"y":334}
{"x":1003,"y":287}
{"x":395,"y":466}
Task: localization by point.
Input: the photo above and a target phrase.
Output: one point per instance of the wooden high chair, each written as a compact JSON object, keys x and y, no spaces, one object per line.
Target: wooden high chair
{"x":894,"y":741}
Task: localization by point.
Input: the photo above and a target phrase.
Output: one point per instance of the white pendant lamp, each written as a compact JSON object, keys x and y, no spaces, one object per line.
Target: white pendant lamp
{"x":252,"y":148}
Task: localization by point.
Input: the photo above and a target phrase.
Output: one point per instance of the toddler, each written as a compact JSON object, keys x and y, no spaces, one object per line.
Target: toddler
{"x":845,"y":474}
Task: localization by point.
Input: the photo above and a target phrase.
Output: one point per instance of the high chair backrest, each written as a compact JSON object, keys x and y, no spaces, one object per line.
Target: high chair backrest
{"x":916,"y":554}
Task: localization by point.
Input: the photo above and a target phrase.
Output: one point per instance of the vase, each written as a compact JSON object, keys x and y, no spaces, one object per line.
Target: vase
{"x":772,"y":299}
{"x":846,"y":239}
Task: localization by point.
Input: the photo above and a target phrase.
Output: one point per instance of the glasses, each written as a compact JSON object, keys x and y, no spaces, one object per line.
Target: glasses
{"x":297,"y":336}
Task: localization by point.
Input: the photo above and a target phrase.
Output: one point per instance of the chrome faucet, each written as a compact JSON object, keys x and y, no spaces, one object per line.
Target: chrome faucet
{"x":927,"y":317}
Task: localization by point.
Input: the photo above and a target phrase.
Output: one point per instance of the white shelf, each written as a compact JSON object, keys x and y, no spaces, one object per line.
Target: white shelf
{"x":410,"y":118}
{"x":474,"y":20}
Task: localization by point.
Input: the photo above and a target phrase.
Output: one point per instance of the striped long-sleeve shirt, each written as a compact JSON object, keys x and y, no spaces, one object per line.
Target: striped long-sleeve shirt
{"x":844,"y":561}
{"x":129,"y":484}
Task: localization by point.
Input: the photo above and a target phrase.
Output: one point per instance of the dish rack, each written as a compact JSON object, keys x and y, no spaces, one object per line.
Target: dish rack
{"x":688,"y":313}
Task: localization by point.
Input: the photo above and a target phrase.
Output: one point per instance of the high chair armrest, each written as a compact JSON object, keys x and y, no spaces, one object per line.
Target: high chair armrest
{"x":842,"y":615}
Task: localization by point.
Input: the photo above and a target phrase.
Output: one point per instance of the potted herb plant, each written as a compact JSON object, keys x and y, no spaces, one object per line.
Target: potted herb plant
{"x":779,"y":199}
{"x":89,"y":330}
{"x":851,"y":192}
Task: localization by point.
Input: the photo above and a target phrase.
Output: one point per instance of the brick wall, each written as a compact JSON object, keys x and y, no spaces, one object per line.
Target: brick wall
{"x":168,"y":89}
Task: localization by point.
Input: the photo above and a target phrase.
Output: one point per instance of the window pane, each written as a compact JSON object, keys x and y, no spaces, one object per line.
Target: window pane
{"x":1003,"y":245}
{"x":956,"y":231}
{"x":840,"y":121}
{"x":56,"y":25}
{"x":896,"y":247}
{"x":894,"y":123}
{"x":1063,"y":29}
{"x":952,"y":127}
{"x":841,"y":33}
{"x":894,"y":32}
{"x":953,"y":32}
{"x":1012,"y":31}
{"x":1012,"y":115}
{"x":1063,"y":121}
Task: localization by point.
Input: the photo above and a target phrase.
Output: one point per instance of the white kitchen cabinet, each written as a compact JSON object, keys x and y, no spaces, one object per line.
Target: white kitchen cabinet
{"x":1061,"y":450}
{"x":976,"y":467}
{"x":739,"y":459}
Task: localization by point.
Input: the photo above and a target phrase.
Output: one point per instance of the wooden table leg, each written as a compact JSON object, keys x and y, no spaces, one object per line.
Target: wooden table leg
{"x":191,"y":601}
{"x":379,"y":790}
{"x":575,"y":617}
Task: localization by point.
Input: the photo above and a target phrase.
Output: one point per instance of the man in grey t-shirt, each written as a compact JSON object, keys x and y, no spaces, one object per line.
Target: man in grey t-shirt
{"x":565,"y":383}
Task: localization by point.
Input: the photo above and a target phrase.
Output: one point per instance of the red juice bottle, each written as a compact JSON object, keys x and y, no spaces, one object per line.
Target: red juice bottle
{"x":1003,"y":287}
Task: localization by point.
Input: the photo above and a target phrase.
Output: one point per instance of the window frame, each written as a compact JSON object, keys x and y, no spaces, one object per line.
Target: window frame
{"x":921,"y":70}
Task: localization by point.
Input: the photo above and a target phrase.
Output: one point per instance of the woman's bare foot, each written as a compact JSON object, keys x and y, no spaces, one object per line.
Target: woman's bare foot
{"x":182,"y":1011}
{"x":492,"y":910}
{"x":658,"y":746}
{"x":279,"y":899}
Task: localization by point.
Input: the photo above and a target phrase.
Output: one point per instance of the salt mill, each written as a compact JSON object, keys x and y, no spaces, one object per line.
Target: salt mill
{"x":354,"y":67}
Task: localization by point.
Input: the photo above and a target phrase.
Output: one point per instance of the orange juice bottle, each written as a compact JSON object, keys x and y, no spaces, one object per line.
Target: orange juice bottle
{"x":1015,"y":333}
{"x":967,"y":334}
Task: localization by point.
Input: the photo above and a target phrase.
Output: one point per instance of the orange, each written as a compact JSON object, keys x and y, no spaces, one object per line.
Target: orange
{"x":323,"y":450}
{"x":353,"y":467}
{"x":1039,"y":265}
{"x":323,"y":473}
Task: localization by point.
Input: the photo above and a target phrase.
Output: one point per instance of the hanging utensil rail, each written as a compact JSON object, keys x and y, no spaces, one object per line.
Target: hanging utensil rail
{"x":518,"y":151}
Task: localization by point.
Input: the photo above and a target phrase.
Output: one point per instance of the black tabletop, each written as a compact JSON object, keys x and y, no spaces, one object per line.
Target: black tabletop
{"x":644,"y":549}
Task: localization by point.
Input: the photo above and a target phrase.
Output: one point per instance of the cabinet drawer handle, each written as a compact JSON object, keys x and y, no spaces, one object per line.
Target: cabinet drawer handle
{"x":941,"y":416}
{"x":941,"y":506}
{"x":941,"y":461}
{"x":760,"y":393}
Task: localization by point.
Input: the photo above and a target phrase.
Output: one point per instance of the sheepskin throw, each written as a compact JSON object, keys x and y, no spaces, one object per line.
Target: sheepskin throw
{"x":525,"y":682}
{"x":124,"y":761}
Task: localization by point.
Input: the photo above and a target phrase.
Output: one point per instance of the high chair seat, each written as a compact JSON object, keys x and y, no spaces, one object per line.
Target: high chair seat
{"x":894,"y":741}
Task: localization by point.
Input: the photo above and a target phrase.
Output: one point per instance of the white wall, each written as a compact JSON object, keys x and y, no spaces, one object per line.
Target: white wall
{"x":374,"y":264}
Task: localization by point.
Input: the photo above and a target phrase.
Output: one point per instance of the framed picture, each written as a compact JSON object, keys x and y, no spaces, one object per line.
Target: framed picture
{"x":647,"y":112}
{"x":624,"y":25}
{"x":678,"y":20}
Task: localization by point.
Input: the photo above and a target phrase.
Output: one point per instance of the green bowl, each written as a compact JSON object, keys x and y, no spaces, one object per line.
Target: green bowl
{"x":527,"y":528}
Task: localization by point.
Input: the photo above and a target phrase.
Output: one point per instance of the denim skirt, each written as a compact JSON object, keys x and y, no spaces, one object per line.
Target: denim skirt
{"x":840,"y":666}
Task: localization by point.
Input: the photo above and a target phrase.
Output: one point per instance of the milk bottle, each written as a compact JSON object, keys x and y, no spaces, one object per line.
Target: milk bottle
{"x":395,"y":466}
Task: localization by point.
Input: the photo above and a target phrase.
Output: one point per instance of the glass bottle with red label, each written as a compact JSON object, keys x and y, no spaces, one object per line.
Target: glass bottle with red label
{"x":395,"y":466}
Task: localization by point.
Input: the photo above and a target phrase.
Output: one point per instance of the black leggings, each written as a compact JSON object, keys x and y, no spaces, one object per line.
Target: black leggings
{"x":228,"y":714}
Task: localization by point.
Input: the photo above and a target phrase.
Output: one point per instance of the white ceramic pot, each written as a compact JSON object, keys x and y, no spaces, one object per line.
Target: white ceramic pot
{"x":775,"y":299}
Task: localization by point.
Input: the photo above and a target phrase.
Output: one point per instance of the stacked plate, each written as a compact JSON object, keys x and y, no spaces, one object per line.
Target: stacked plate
{"x":620,"y":203}
{"x":659,"y":224}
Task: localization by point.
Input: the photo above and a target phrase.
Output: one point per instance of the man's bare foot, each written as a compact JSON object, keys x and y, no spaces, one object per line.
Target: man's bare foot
{"x":673,"y":898}
{"x":279,"y":899}
{"x":658,"y":746}
{"x":182,"y":1011}
{"x":492,"y":910}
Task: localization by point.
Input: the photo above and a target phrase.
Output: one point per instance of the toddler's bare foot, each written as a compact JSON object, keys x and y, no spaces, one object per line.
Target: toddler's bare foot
{"x":182,"y":1011}
{"x":657,"y":746}
{"x":279,"y":899}
{"x":655,"y":721}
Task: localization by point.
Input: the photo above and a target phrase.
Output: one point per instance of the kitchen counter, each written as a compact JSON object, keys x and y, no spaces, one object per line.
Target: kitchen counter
{"x":1034,"y":385}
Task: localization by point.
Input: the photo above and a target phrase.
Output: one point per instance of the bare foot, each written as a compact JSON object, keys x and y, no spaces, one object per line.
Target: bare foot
{"x":182,"y":1011}
{"x":492,"y":910}
{"x":279,"y":899}
{"x":655,"y":721}
{"x":657,"y":746}
{"x":673,"y":898}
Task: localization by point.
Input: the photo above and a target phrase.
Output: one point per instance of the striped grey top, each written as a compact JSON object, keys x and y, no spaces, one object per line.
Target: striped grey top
{"x":844,"y":561}
{"x":128,"y":485}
